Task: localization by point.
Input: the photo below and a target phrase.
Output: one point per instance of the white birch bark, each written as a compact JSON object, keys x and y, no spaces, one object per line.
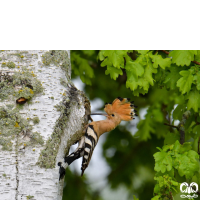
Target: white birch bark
{"x":21,"y":177}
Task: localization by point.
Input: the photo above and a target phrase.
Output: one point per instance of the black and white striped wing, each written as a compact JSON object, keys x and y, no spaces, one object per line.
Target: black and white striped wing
{"x":91,"y":140}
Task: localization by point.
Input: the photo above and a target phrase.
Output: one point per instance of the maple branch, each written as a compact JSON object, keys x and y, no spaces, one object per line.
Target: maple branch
{"x":167,"y":52}
{"x":185,"y":116}
{"x":172,"y":126}
{"x":198,"y":63}
{"x":194,"y":61}
{"x":171,"y":196}
{"x":182,"y":135}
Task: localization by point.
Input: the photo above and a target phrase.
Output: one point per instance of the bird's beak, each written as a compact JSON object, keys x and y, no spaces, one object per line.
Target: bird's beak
{"x":98,"y":114}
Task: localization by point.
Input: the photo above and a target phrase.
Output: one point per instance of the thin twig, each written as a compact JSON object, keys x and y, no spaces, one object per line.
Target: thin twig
{"x":171,"y":126}
{"x":165,"y":52}
{"x":198,"y":63}
{"x":171,"y":196}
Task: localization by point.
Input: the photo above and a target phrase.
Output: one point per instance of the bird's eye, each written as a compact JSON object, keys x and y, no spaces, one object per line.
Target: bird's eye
{"x":113,"y":115}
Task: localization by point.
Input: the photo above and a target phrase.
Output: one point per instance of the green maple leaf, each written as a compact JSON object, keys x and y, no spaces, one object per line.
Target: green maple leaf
{"x":101,"y":55}
{"x":140,"y":73}
{"x":182,"y":57}
{"x":132,"y":80}
{"x":106,"y":62}
{"x":146,"y":80}
{"x":194,"y":156}
{"x":145,"y":127}
{"x":144,"y":130}
{"x":163,"y":162}
{"x":172,"y":77}
{"x":187,"y":164}
{"x":178,"y":111}
{"x":185,"y":147}
{"x":158,"y":60}
{"x":197,"y":79}
{"x":193,"y":100}
{"x":140,"y":77}
{"x":196,"y":130}
{"x":185,"y":82}
{"x":81,"y":67}
{"x":142,"y":51}
{"x":134,"y":198}
{"x":135,"y":68}
{"x":178,"y":148}
{"x":157,"y":197}
{"x":171,"y":138}
{"x":186,"y":160}
{"x":197,"y":56}
{"x":148,"y":75}
{"x":89,"y":52}
{"x":157,"y":187}
{"x":158,"y":115}
{"x":139,"y":91}
{"x":114,"y":72}
{"x":113,"y":58}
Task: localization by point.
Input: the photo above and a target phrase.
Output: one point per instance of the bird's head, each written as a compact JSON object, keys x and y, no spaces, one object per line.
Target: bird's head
{"x":120,"y":109}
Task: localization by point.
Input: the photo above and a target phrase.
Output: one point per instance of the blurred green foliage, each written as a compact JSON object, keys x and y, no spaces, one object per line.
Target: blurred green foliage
{"x":76,"y":187}
{"x":167,"y":84}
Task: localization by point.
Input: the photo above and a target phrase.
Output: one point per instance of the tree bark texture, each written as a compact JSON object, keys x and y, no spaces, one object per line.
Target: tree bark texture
{"x":41,"y":115}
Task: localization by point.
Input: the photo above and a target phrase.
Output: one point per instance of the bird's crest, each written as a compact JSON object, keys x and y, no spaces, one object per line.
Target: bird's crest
{"x":123,"y":107}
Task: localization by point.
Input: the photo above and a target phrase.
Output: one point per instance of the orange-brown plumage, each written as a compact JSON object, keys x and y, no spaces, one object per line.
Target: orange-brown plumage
{"x":122,"y":107}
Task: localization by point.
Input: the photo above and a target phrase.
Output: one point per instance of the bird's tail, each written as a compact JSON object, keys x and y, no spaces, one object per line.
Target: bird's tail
{"x":91,"y":140}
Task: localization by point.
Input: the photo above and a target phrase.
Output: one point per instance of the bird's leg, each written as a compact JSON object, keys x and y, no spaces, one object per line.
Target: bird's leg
{"x":70,"y":158}
{"x":77,"y":153}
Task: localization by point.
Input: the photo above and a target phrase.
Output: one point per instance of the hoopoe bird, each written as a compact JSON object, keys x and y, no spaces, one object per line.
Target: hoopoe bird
{"x":120,"y":109}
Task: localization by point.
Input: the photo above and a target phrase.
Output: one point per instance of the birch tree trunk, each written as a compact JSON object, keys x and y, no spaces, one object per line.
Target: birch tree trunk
{"x":41,"y":115}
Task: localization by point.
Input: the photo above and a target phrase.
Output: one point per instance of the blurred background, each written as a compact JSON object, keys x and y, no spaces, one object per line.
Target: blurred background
{"x":121,"y":165}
